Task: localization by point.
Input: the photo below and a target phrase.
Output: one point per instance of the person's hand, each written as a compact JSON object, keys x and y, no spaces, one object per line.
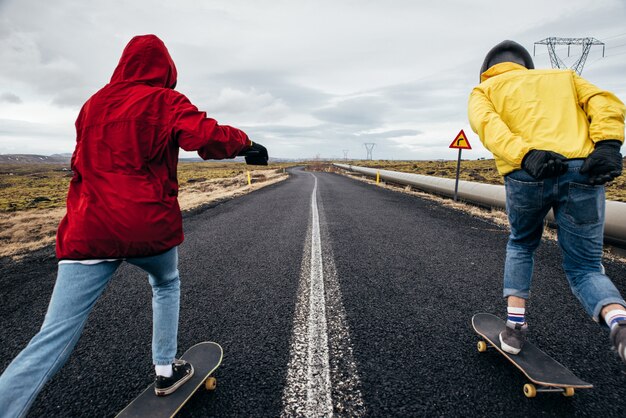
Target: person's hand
{"x":256,"y":154}
{"x":543,"y":164}
{"x":604,"y":163}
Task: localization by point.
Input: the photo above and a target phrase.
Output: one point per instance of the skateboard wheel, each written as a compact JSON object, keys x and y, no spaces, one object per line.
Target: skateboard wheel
{"x":568,"y":392}
{"x":529,"y":390}
{"x":210,"y":383}
{"x":482,"y":346}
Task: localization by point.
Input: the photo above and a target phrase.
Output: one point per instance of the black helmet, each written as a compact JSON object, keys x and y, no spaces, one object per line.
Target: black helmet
{"x":507,"y":51}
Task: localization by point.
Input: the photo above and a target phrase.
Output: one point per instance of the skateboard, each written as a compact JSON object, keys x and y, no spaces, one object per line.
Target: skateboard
{"x":545,"y":373}
{"x":205,"y":357}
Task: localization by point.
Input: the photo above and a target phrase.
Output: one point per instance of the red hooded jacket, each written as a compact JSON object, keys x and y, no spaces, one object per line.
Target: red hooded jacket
{"x":122,"y":200}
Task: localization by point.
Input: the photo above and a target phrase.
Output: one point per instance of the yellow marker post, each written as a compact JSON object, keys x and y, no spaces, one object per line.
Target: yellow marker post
{"x":249,"y":179}
{"x":377,"y":177}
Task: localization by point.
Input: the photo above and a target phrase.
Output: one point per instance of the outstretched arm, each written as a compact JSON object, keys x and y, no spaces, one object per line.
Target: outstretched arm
{"x":195,"y":131}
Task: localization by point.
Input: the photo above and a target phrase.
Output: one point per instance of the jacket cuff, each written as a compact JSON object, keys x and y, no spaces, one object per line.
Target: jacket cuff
{"x":609,"y":142}
{"x":519,"y":161}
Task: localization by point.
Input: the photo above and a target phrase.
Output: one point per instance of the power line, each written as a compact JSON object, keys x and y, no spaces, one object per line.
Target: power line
{"x":615,"y":46}
{"x":616,"y":55}
{"x":607,"y":57}
{"x":614,"y":36}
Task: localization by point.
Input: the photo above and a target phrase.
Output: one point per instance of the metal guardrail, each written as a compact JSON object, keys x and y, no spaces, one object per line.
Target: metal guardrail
{"x":490,"y":195}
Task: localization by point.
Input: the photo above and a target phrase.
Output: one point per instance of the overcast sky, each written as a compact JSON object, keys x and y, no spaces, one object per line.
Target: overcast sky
{"x":304,"y":78}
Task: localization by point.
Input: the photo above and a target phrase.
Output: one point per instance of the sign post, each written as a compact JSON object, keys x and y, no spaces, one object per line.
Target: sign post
{"x":461,"y":143}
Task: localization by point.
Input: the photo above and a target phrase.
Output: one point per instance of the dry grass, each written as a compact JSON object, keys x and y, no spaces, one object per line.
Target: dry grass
{"x":495,"y":215}
{"x":208,"y":191}
{"x":28,"y":230}
{"x":481,"y":171}
{"x":44,"y":186}
{"x":26,"y":226}
{"x":32,"y":196}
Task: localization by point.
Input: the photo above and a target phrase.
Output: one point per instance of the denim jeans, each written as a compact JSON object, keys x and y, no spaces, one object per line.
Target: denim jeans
{"x":75,"y":293}
{"x":579,"y":213}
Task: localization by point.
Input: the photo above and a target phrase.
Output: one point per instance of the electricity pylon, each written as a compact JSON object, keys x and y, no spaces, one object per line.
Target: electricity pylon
{"x":369,"y":146}
{"x":345,"y":154}
{"x":557,"y":62}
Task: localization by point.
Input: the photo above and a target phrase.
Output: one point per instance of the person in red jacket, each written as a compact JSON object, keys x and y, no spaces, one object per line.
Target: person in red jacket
{"x":122,"y":206}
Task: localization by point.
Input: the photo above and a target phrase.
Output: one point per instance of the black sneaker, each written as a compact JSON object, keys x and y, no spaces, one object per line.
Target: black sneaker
{"x":618,"y":339}
{"x":182,"y":371}
{"x":513,"y":337}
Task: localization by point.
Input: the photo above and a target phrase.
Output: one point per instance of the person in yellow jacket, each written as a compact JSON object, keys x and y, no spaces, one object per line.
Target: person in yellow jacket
{"x":556,"y":139}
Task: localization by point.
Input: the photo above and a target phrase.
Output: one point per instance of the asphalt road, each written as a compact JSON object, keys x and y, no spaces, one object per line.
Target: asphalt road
{"x":374,"y":300}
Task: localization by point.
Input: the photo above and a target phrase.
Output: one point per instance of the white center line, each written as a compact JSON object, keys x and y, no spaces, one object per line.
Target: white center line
{"x":309,"y":390}
{"x":318,"y":397}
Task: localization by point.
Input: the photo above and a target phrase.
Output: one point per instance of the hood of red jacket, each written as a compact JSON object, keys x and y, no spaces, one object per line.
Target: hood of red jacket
{"x":146,"y":60}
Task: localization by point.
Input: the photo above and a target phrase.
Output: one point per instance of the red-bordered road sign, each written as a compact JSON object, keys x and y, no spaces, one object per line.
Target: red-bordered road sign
{"x":460,"y":141}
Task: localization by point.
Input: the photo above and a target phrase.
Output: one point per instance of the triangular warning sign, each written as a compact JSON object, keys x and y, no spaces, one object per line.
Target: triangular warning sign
{"x":461,"y":141}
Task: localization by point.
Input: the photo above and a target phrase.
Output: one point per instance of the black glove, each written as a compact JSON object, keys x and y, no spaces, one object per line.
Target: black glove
{"x":604,"y":163}
{"x":543,"y":164}
{"x":256,"y":154}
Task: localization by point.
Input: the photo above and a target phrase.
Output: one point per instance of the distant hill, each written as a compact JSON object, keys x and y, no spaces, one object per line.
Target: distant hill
{"x":35,"y":159}
{"x":236,"y":160}
{"x":65,"y":159}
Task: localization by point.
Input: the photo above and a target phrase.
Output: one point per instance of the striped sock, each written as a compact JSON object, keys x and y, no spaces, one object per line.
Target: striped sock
{"x":515,"y":316}
{"x":612,"y":317}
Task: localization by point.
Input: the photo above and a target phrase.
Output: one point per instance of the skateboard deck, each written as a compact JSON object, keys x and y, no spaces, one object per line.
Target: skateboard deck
{"x":542,"y":370}
{"x":205,"y":357}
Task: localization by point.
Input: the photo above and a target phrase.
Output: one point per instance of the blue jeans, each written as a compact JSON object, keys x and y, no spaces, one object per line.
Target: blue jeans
{"x":579,"y":213}
{"x":75,"y":293}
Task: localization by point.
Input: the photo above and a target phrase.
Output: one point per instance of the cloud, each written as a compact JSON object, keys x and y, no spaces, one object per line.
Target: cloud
{"x":249,"y":106}
{"x":27,"y":60}
{"x":20,"y":137}
{"x":28,"y":129}
{"x":364,"y":111}
{"x":301,"y":77}
{"x":397,"y":133}
{"x":10,"y":98}
{"x":296,"y":96}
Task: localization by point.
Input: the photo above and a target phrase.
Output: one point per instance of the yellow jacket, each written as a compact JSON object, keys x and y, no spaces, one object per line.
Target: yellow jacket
{"x":514,"y":110}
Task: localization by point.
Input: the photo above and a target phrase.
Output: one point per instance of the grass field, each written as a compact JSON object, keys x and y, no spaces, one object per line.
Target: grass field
{"x":481,"y":171}
{"x":28,"y":186}
{"x":32,"y":196}
{"x":44,"y":186}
